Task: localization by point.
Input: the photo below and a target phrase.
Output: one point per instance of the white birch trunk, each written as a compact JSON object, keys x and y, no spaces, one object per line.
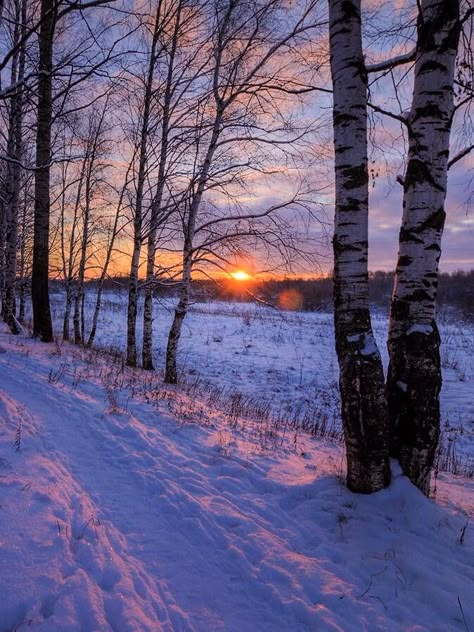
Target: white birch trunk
{"x":171,"y":370}
{"x":414,"y":379}
{"x":67,"y":310}
{"x":138,"y":211}
{"x":364,"y":412}
{"x":93,"y":143}
{"x":156,"y":207}
{"x":132,"y":308}
{"x":23,"y":262}
{"x":2,"y":255}
{"x":15,"y":150}
{"x":171,"y":375}
{"x":78,"y":318}
{"x":103,"y":274}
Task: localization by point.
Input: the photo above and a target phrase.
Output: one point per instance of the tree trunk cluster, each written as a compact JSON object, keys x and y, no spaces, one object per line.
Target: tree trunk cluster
{"x":405,"y":420}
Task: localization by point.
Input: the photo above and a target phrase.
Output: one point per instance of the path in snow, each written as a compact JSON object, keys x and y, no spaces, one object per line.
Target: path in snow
{"x":129,"y":521}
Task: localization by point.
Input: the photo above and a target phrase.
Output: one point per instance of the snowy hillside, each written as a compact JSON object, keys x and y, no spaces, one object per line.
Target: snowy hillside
{"x":126,"y":507}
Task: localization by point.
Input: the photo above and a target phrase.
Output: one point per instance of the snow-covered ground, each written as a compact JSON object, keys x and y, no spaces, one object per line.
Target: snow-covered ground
{"x":286,"y":360}
{"x":127,"y":506}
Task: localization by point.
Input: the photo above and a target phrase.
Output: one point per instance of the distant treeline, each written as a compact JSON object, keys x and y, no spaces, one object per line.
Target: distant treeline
{"x":456,"y":290}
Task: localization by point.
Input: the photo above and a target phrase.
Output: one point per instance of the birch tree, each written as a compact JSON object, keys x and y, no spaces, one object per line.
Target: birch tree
{"x":143,"y":144}
{"x":68,"y":191}
{"x":414,"y":379}
{"x":173,"y":93}
{"x":113,"y":234}
{"x":96,"y":148}
{"x":249,"y":72}
{"x":13,"y":174}
{"x":364,"y":410}
{"x":42,"y":323}
{"x":51,"y":14}
{"x":25,"y":244}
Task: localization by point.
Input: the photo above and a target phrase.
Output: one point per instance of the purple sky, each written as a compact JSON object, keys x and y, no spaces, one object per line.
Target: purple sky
{"x":458,"y":238}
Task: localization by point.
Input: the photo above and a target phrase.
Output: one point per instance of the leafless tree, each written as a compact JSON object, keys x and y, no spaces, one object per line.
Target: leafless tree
{"x":25,"y":253}
{"x":113,"y":233}
{"x":13,"y":175}
{"x":96,"y":149}
{"x":414,"y":379}
{"x":176,"y":84}
{"x":364,"y":410}
{"x":247,"y":74}
{"x":142,"y":143}
{"x":51,"y":14}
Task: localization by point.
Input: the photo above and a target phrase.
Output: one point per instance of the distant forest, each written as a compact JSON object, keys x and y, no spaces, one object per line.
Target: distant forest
{"x":456,"y":291}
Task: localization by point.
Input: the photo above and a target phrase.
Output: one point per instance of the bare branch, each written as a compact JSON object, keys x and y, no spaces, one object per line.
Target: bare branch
{"x":460,"y":155}
{"x":389,"y":64}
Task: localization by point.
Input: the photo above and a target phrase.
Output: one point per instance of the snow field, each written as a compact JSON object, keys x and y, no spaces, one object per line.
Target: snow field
{"x":127,"y":509}
{"x":285,"y":361}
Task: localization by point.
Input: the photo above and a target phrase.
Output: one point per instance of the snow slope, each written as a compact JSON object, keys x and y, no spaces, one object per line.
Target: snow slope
{"x":118,"y":515}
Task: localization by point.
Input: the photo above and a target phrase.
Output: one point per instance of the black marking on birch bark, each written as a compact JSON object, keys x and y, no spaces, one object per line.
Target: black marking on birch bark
{"x":431,"y":110}
{"x":453,"y":36}
{"x":431,"y":65}
{"x":436,"y":247}
{"x":360,"y":71}
{"x":407,"y":236}
{"x":352,"y":205}
{"x":418,"y":296}
{"x":350,"y":11}
{"x":428,"y":29}
{"x":404,"y":261}
{"x":340,"y":118}
{"x":341,"y":247}
{"x":418,"y":172}
{"x":355,"y":177}
{"x":436,"y":93}
{"x":400,"y":309}
{"x":344,"y":29}
{"x":435,"y":221}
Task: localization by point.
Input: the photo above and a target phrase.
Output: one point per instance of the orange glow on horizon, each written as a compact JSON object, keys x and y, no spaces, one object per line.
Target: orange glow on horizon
{"x":240,"y":275}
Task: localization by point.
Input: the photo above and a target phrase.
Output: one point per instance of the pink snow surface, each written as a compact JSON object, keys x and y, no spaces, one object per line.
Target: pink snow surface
{"x":116,"y":515}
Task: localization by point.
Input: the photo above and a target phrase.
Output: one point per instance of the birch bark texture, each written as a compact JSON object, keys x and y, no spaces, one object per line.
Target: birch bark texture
{"x":144,"y":133}
{"x":157,"y":214}
{"x":364,"y":409}
{"x":42,"y":323}
{"x":14,"y":172}
{"x":414,"y":377}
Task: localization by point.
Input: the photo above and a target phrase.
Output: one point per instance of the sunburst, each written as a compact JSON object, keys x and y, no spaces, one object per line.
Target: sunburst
{"x":240,"y":275}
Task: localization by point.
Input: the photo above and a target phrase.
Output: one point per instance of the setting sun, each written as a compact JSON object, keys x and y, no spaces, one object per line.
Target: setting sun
{"x":240,"y":275}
